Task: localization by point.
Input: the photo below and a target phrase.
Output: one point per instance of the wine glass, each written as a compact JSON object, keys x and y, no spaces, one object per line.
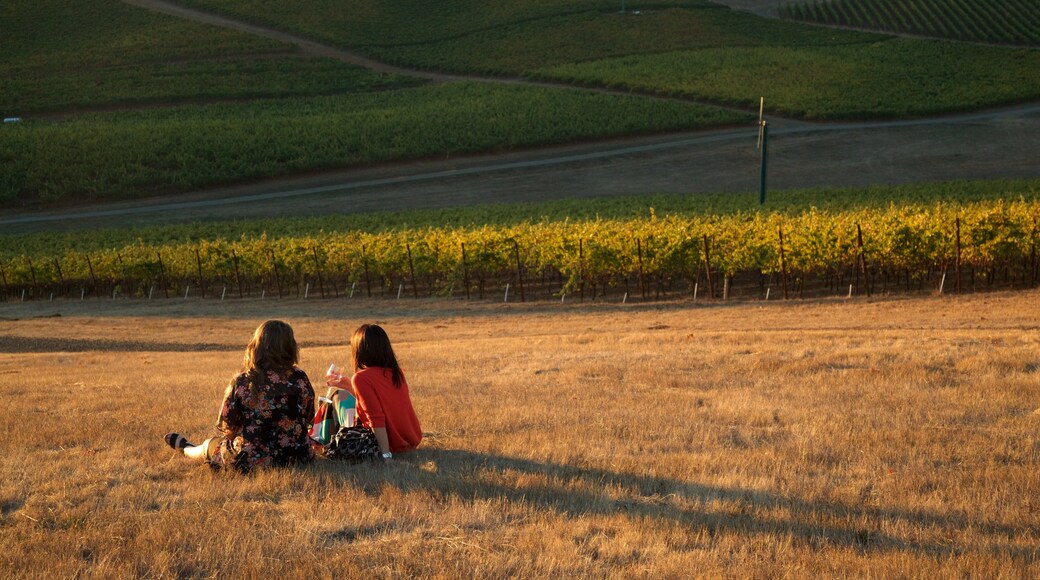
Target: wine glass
{"x":333,"y":374}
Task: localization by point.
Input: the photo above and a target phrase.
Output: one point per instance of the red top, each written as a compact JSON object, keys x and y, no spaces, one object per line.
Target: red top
{"x":381,"y":404}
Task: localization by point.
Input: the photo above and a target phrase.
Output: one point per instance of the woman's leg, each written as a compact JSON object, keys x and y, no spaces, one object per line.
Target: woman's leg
{"x":204,"y":451}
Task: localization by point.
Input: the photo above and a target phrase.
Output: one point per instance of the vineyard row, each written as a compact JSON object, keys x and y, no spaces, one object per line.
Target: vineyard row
{"x":893,"y":249}
{"x":998,"y":21}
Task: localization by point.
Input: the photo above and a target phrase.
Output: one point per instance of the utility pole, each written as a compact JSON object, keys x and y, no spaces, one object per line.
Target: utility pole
{"x":763,"y":141}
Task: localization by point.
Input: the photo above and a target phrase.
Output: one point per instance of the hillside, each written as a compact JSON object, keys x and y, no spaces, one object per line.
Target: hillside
{"x":120,"y":102}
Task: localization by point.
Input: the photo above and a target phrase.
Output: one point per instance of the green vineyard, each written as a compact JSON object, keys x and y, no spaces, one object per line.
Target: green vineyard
{"x":1015,"y":22}
{"x":129,"y":154}
{"x":118,"y":102}
{"x":745,"y":254}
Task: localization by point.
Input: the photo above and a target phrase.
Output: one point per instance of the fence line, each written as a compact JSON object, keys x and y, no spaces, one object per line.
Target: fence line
{"x":583,"y":267}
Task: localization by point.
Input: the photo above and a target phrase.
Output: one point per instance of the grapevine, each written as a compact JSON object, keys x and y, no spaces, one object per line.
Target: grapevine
{"x":659,"y":255}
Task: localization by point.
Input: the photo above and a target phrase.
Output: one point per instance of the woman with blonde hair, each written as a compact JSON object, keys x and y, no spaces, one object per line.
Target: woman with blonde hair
{"x":267,"y":411}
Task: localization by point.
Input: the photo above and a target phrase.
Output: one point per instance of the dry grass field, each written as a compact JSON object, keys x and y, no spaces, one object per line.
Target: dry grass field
{"x":893,"y":437}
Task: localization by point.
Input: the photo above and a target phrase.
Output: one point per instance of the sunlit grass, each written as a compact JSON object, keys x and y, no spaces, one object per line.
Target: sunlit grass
{"x":835,"y":438}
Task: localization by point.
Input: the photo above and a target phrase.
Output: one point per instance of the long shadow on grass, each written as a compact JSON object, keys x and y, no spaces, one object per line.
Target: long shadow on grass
{"x":21,"y":344}
{"x":576,"y":491}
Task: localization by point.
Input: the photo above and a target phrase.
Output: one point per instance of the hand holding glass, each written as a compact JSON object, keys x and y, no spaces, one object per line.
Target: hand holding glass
{"x":333,"y":376}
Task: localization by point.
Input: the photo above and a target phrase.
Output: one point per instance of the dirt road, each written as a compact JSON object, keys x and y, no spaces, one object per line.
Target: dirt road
{"x":998,"y":144}
{"x":994,"y":144}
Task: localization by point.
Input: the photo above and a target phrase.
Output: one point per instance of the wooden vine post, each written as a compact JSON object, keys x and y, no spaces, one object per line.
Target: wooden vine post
{"x":581,"y":269}
{"x":238,"y":279}
{"x":957,"y":256}
{"x":317,"y":268}
{"x":3,"y":275}
{"x":122,"y":281}
{"x":707,"y":267}
{"x":783,"y":262}
{"x":274,"y":269}
{"x":482,"y":271}
{"x":368,"y":280}
{"x":202,"y":281}
{"x":1032,"y":250}
{"x":642,"y":272}
{"x":61,"y":277}
{"x":162,"y":276}
{"x":32,"y":272}
{"x":862,"y":259}
{"x":411,"y":271}
{"x":519,"y":271}
{"x":465,"y":270}
{"x":93,"y":279}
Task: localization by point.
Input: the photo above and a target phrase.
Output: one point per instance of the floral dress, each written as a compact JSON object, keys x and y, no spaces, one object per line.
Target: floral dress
{"x":270,"y":428}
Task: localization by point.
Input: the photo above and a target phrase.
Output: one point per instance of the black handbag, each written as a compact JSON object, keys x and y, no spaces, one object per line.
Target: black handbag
{"x":354,"y":443}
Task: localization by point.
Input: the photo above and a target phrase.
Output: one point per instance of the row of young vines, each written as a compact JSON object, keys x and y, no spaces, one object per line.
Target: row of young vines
{"x":876,"y":250}
{"x":996,"y":21}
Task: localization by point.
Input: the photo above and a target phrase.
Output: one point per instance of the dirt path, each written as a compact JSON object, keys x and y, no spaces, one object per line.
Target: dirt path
{"x":995,"y":144}
{"x":306,"y":45}
{"x":987,"y":145}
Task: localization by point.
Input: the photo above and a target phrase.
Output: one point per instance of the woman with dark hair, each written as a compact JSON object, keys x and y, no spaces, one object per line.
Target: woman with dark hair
{"x":387,"y":423}
{"x":267,"y":411}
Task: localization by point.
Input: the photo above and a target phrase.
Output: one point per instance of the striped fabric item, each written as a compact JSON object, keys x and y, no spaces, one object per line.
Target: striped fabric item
{"x":346,"y":408}
{"x":337,"y":408}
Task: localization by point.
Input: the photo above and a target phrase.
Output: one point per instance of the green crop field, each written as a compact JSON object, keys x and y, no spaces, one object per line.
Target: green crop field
{"x":173,"y":83}
{"x":994,"y":21}
{"x":62,"y":55}
{"x":515,"y":36}
{"x":891,"y":78}
{"x":221,"y":106}
{"x":126,"y":154}
{"x":218,"y":107}
{"x":695,"y":49}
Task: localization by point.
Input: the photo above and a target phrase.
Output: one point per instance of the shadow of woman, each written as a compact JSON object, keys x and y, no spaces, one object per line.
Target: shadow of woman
{"x":572,"y":491}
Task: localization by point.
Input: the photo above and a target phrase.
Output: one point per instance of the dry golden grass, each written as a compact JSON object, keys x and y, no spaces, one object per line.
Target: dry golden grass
{"x":894,"y":437}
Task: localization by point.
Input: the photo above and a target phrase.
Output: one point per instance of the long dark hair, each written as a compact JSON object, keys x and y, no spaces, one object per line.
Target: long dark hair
{"x":370,"y":347}
{"x":273,"y":348}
